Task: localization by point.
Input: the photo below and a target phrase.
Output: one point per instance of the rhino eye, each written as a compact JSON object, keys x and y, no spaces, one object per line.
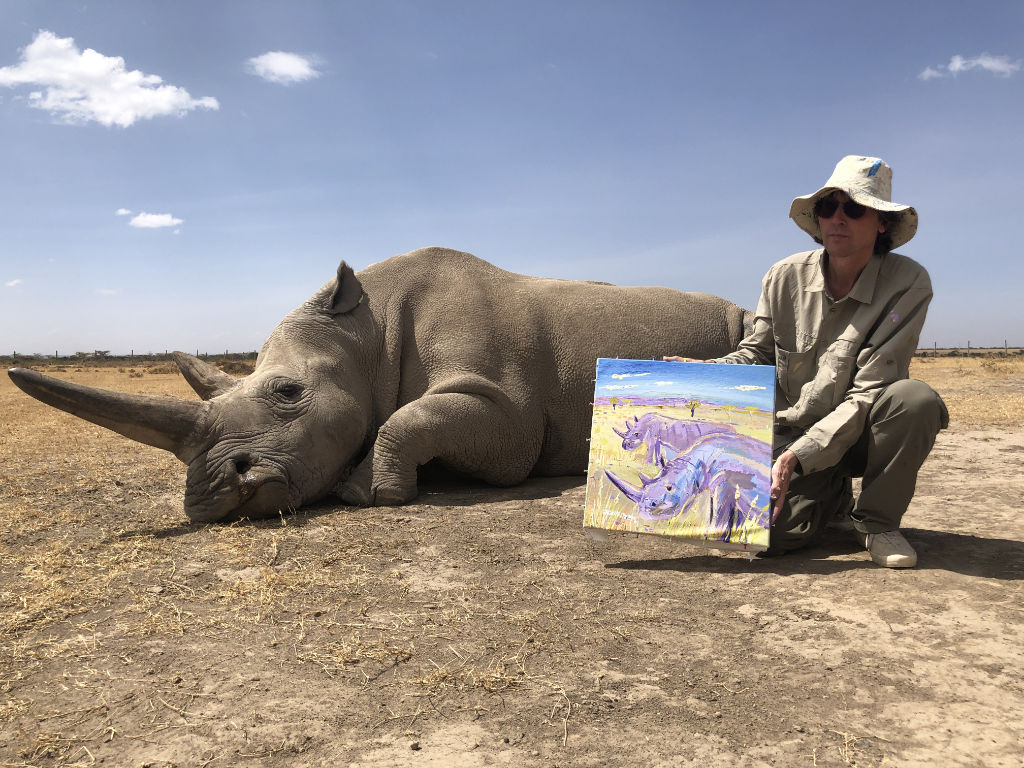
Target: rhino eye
{"x":288,"y":390}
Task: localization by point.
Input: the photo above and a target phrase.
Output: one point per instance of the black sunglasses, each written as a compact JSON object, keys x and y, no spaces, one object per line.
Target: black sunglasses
{"x":826,"y":208}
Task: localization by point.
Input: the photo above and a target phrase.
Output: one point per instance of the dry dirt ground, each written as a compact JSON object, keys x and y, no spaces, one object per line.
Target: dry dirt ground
{"x":479,"y":627}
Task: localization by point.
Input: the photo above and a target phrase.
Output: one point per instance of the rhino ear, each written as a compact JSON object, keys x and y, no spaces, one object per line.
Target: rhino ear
{"x":346,"y":293}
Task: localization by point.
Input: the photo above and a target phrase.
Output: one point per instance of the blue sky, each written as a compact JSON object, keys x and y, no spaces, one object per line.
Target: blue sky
{"x":740,"y":385}
{"x":178,"y":188}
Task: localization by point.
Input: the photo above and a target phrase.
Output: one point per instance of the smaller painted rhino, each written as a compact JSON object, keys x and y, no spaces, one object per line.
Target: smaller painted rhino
{"x":659,"y":432}
{"x":731,"y":469}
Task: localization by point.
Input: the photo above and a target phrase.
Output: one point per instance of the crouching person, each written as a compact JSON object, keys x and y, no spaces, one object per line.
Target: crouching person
{"x":841,"y":324}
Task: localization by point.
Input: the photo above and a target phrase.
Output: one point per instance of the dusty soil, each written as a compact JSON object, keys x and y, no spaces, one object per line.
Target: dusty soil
{"x":479,"y":627}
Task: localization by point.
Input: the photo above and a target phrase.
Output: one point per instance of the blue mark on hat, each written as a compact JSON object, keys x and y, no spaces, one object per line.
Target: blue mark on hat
{"x":874,"y":168}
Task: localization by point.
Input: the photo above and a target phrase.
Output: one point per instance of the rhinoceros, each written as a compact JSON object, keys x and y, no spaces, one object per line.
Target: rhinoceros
{"x":433,"y":354}
{"x":659,"y":432}
{"x":731,"y":468}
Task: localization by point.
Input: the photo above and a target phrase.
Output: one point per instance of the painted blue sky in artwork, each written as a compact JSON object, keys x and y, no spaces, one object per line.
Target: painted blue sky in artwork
{"x":741,"y":385}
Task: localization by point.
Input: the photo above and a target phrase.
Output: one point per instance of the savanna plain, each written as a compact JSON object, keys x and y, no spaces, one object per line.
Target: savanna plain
{"x":480,"y":627}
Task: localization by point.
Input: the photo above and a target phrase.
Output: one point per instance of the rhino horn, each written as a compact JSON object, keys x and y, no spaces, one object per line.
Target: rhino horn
{"x":645,"y":480}
{"x":634,"y":494}
{"x":620,"y":434}
{"x":163,"y":422}
{"x":207,"y":380}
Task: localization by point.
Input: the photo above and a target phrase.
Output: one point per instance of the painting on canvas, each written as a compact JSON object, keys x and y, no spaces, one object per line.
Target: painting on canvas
{"x":682,"y":450}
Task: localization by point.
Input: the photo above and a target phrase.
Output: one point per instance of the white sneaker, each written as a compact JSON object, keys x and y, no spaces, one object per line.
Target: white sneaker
{"x":889,"y":549}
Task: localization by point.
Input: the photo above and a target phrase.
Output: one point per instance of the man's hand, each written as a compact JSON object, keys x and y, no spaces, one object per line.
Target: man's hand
{"x":782,"y":472}
{"x":678,"y":359}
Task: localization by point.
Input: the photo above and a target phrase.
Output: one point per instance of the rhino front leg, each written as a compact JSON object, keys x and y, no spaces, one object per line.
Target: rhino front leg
{"x":480,"y":433}
{"x":356,"y":488}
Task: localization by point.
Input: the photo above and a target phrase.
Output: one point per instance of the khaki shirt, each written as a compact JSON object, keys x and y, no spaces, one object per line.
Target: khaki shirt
{"x":833,"y":358}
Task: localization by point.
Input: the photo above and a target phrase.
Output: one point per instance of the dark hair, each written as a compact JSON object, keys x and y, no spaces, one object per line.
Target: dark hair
{"x":883,"y":243}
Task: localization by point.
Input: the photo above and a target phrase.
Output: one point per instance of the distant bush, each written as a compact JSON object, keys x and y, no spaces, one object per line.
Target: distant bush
{"x":237,"y":367}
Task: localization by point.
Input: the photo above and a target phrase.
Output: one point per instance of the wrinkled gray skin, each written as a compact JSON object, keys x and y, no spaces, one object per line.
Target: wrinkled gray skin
{"x":433,"y":354}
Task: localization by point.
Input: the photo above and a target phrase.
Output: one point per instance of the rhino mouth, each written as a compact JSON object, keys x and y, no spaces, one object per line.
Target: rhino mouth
{"x":235,"y":488}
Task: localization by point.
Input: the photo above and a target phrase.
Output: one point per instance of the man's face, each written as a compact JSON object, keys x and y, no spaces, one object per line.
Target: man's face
{"x":846,"y":237}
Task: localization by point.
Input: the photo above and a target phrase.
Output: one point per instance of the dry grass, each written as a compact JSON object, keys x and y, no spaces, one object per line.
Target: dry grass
{"x":121,"y":625}
{"x":96,"y":566}
{"x":979,"y":391}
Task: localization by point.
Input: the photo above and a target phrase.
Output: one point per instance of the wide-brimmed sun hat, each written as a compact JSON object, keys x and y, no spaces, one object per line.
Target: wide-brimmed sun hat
{"x":868,"y":181}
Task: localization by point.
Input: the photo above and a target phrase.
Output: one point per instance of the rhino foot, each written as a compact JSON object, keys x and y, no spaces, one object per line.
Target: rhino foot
{"x":354,"y":495}
{"x":392,"y":496}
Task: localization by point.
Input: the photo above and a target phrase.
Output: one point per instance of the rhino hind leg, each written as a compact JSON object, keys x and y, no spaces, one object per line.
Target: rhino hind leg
{"x":474,"y":433}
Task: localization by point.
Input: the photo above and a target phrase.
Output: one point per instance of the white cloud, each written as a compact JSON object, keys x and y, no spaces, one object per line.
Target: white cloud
{"x":996,"y":65}
{"x":616,"y":387}
{"x":746,"y":387}
{"x":13,"y":283}
{"x":629,"y":375}
{"x":282,"y":67}
{"x":154,"y":220}
{"x":122,"y":212}
{"x":83,"y":86}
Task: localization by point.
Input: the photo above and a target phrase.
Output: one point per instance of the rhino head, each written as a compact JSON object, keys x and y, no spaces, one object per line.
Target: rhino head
{"x":280,"y":438}
{"x":666,"y":495}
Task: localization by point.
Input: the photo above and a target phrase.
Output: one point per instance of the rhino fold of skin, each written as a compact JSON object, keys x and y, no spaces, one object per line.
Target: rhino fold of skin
{"x":434,"y":354}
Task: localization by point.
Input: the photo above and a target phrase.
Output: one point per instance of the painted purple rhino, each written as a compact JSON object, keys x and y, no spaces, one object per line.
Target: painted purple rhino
{"x":731,"y":468}
{"x":658,"y":432}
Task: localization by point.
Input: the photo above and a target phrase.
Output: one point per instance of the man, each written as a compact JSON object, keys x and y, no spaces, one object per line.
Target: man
{"x":841,"y":324}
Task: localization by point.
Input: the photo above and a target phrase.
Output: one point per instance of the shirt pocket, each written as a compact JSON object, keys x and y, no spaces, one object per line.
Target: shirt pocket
{"x":791,"y":371}
{"x":836,"y":370}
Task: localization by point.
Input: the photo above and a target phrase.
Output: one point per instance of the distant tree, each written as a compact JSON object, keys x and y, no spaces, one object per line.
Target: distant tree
{"x":751,"y":409}
{"x":101,"y":353}
{"x":614,"y":401}
{"x":692,"y":405}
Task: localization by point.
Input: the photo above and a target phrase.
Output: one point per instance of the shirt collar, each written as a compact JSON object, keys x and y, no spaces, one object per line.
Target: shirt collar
{"x":863,"y":290}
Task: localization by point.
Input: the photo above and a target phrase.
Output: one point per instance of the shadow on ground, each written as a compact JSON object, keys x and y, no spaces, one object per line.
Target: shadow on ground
{"x":987,"y":558}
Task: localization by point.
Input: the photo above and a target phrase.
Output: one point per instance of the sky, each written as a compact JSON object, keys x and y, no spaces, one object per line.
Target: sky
{"x":742,"y":385}
{"x":181,"y":175}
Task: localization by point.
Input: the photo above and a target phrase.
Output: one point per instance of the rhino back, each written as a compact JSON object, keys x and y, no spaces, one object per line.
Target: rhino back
{"x":445,"y":313}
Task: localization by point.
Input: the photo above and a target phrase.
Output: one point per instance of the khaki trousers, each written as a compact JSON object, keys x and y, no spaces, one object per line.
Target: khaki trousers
{"x":900,"y":431}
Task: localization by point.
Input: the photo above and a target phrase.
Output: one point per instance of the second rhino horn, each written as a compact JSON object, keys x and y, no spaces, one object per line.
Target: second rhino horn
{"x":207,"y":380}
